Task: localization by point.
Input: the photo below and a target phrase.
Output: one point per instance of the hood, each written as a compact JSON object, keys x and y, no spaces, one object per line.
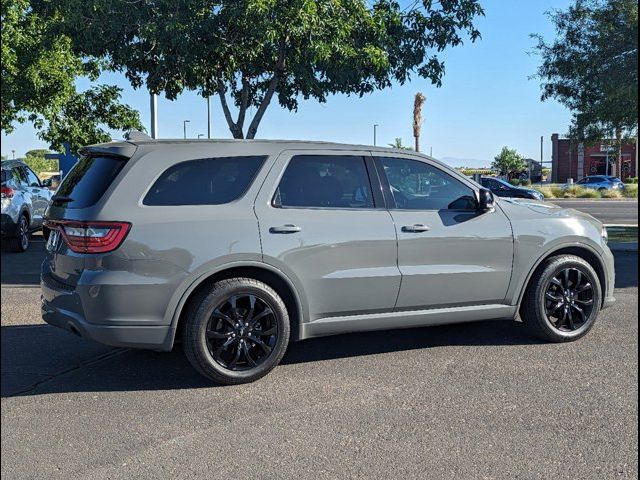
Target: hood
{"x":523,"y":208}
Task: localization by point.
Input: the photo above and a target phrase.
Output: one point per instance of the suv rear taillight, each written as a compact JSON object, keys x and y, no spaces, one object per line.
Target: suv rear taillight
{"x":91,"y":237}
{"x":6,"y":192}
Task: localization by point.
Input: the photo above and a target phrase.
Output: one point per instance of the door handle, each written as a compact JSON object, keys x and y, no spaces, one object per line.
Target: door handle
{"x":285,"y":229}
{"x":417,"y":228}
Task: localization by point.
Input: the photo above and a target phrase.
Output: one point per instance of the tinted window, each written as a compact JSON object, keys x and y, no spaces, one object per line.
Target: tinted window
{"x":32,"y":179}
{"x":19,"y":176}
{"x":87,"y":181}
{"x":6,"y":175}
{"x":207,"y":181}
{"x":330,"y":181}
{"x":417,"y":185}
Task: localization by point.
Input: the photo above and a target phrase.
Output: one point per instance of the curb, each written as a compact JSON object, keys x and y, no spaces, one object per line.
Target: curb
{"x":551,"y":200}
{"x":623,"y":247}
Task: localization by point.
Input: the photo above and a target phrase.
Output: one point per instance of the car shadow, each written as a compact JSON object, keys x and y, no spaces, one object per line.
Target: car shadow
{"x":22,"y":268}
{"x":40,"y":359}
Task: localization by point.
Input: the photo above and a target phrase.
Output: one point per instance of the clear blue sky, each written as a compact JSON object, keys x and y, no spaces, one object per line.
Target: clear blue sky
{"x":486,"y":101}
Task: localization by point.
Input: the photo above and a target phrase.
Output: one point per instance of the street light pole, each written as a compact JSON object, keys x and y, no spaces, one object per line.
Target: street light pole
{"x":154,"y":115}
{"x":375,"y":126}
{"x":184,"y":127}
{"x":208,"y":117}
{"x":200,"y":135}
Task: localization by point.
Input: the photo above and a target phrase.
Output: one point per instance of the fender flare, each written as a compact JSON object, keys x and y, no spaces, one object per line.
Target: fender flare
{"x":204,"y":276}
{"x":549,"y":253}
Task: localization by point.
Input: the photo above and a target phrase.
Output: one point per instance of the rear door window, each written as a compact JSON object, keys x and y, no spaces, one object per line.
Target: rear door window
{"x":87,"y":181}
{"x":207,"y":181}
{"x":325,"y":181}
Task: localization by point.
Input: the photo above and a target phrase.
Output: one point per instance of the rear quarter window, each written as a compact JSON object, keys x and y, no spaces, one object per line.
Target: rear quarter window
{"x":87,"y":181}
{"x":206,"y":181}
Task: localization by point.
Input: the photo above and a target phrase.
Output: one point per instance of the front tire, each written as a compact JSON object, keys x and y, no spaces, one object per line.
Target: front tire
{"x":563,"y":299}
{"x":20,"y":242}
{"x":237,"y":331}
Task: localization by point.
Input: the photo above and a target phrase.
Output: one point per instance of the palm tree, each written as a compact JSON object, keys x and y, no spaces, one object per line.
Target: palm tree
{"x":417,"y":117}
{"x":397,"y":143}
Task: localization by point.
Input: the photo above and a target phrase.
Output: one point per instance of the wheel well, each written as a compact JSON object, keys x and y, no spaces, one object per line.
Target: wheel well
{"x":583,"y":253}
{"x":270,"y":278}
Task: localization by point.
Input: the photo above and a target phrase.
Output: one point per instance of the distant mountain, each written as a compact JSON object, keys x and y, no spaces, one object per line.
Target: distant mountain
{"x":466,"y":162}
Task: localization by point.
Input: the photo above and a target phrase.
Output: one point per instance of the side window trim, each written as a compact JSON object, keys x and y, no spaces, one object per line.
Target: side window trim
{"x":388,"y":194}
{"x":371,"y":174}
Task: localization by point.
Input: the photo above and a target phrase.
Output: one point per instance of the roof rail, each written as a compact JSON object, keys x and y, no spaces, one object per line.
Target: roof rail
{"x":137,"y":136}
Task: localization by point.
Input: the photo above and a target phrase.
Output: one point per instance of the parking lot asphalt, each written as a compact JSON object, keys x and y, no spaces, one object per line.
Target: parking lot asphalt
{"x":481,"y":400}
{"x":617,"y":212}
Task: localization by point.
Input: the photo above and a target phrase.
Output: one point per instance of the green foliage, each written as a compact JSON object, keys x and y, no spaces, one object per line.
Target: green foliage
{"x":515,"y":182}
{"x":39,"y":71}
{"x":471,"y":171}
{"x":631,"y":180}
{"x":253,"y":50}
{"x":592,"y":66}
{"x":35,"y":159}
{"x":509,"y":162}
{"x":399,"y":145}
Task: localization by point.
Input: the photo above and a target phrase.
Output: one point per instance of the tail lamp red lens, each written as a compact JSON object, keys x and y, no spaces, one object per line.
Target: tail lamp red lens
{"x":91,"y":237}
{"x":7,"y":192}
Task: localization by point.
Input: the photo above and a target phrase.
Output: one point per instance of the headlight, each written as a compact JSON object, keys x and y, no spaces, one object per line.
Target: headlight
{"x":604,"y":235}
{"x":538,"y":196}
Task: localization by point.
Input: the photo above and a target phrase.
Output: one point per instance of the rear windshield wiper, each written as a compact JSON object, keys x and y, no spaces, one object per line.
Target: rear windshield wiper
{"x":61,"y":199}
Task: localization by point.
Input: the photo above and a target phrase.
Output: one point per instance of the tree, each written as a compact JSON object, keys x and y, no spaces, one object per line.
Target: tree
{"x":39,"y":71}
{"x":418,"y":102}
{"x":397,"y":143}
{"x":38,"y":163}
{"x":592,"y":67}
{"x":509,"y":162}
{"x":250,"y":51}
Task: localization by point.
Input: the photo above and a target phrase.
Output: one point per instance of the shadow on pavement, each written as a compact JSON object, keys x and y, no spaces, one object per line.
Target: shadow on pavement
{"x":23,"y":268}
{"x":40,"y":359}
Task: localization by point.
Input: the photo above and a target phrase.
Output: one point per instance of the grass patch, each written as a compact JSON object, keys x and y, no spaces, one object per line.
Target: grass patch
{"x":630,"y":191}
{"x":588,"y":193}
{"x":611,"y":194}
{"x":546,"y":191}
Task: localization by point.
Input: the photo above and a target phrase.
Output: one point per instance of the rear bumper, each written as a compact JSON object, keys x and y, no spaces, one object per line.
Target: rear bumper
{"x":58,"y":310}
{"x":8,"y":226}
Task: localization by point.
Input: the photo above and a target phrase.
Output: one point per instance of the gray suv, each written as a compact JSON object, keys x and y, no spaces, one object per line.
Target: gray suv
{"x":236,"y":248}
{"x":24,"y":201}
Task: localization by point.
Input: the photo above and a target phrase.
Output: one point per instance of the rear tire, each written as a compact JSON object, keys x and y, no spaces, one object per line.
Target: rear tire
{"x":20,"y":242}
{"x":236,"y":332}
{"x":563,"y":299}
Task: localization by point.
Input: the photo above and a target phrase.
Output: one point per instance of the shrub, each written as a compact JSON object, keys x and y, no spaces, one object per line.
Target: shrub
{"x":631,"y":180}
{"x":630,"y":191}
{"x":525,"y":183}
{"x":587,"y":193}
{"x":611,"y":194}
{"x":515,"y":182}
{"x":546,"y":191}
{"x":557,"y":192}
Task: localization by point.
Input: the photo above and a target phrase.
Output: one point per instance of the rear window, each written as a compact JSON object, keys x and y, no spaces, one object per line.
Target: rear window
{"x":5,"y":177}
{"x":206,"y":181}
{"x":87,"y":181}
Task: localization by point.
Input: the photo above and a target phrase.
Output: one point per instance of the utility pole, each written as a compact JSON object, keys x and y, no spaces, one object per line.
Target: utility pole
{"x":184,"y":127}
{"x":375,"y":126}
{"x":154,"y":115}
{"x":13,"y":154}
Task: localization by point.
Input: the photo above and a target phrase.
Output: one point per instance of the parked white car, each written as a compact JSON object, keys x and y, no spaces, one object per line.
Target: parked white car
{"x":24,"y":201}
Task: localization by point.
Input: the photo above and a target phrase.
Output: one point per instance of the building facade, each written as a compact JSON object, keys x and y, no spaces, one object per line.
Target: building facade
{"x":576,"y":160}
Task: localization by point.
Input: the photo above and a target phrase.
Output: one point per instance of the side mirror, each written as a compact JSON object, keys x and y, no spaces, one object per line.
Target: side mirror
{"x":486,"y":201}
{"x":46,"y":182}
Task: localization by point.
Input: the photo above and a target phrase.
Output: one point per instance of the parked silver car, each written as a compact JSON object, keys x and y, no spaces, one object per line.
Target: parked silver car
{"x":601,"y":183}
{"x":24,"y":201}
{"x":238,"y":247}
